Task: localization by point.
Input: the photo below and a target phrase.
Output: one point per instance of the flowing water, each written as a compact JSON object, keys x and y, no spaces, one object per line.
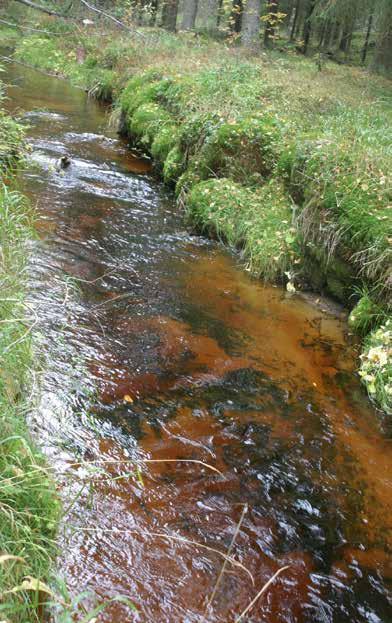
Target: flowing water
{"x":158,"y":346}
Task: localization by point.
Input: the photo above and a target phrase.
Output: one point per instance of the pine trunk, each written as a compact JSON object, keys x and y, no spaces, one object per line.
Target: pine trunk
{"x":189,"y":14}
{"x":169,"y":14}
{"x":383,"y":58}
{"x":250,"y":32}
{"x":295,"y":20}
{"x":367,"y":39}
{"x":308,"y":26}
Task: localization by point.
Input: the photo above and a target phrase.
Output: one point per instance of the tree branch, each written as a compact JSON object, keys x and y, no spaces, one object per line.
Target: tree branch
{"x":108,"y":16}
{"x":38,"y":7}
{"x":46,"y":32}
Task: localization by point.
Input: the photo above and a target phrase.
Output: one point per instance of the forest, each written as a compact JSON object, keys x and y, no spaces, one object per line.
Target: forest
{"x":195,"y":310}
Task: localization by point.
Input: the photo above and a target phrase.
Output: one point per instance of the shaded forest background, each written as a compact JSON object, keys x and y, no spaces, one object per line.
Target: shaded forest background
{"x":347,"y":31}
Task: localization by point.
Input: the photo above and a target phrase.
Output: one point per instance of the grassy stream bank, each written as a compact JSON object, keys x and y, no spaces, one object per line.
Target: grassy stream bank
{"x":29,"y":509}
{"x":288,"y":164}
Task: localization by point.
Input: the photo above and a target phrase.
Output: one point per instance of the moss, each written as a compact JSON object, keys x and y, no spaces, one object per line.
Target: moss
{"x":257,"y":222}
{"x":164,"y":142}
{"x":147,"y":120}
{"x":240,"y":149}
{"x":174,"y":165}
{"x":138,"y":91}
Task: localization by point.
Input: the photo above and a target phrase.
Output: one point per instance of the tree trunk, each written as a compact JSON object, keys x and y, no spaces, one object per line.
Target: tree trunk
{"x":367,"y":39}
{"x":328,"y":35}
{"x":270,"y":24}
{"x":153,"y":12}
{"x":308,"y":26}
{"x":219,"y":13}
{"x":250,"y":32}
{"x":289,"y":14}
{"x":295,"y":20}
{"x":169,"y":14}
{"x":189,"y":14}
{"x":236,"y":16}
{"x":208,"y":16}
{"x":383,"y":58}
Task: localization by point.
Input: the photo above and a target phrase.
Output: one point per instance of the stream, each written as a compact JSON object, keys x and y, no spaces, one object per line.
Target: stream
{"x":157,"y":346}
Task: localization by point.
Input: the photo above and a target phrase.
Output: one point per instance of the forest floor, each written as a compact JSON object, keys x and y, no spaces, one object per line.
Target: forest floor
{"x":287,"y":161}
{"x":28,"y":502}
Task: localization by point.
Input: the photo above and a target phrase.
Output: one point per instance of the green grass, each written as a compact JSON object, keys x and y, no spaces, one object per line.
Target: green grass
{"x":303,"y":156}
{"x":258,"y":222}
{"x":29,"y":508}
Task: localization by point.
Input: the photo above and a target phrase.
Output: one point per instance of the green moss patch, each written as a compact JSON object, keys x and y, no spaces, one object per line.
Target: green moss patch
{"x":244,"y":150}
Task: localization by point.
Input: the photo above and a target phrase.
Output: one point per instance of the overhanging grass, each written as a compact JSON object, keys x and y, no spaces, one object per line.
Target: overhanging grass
{"x":29,"y":508}
{"x":257,"y":222}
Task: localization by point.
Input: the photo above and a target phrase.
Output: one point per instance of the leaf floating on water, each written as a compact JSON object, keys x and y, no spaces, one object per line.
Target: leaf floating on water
{"x":128,"y":398}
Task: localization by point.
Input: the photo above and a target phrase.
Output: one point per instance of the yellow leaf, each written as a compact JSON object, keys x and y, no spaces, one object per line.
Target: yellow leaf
{"x":32,"y":584}
{"x":128,"y":398}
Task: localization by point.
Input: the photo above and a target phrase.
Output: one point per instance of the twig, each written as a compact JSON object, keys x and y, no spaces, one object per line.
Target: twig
{"x":25,"y":334}
{"x":46,"y":32}
{"x":38,"y":7}
{"x":259,"y":594}
{"x":169,"y":537}
{"x":117,"y":462}
{"x":211,"y":599}
{"x":113,"y":19}
{"x":116,"y":298}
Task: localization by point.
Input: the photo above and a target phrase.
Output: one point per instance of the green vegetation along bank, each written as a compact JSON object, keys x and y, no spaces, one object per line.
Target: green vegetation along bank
{"x":289,"y":164}
{"x":29,"y":509}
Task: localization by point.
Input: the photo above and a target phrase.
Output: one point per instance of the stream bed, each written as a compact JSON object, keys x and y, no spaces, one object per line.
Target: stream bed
{"x":157,"y":346}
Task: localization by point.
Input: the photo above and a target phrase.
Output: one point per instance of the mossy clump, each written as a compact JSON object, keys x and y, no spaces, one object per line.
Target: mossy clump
{"x":239,"y":149}
{"x":164,"y":142}
{"x":147,"y":121}
{"x":376,"y":366}
{"x":138,"y":91}
{"x":174,"y":165}
{"x":257,"y":222}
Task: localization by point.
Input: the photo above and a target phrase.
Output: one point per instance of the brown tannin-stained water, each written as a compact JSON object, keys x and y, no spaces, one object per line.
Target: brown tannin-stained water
{"x":159,"y":346}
